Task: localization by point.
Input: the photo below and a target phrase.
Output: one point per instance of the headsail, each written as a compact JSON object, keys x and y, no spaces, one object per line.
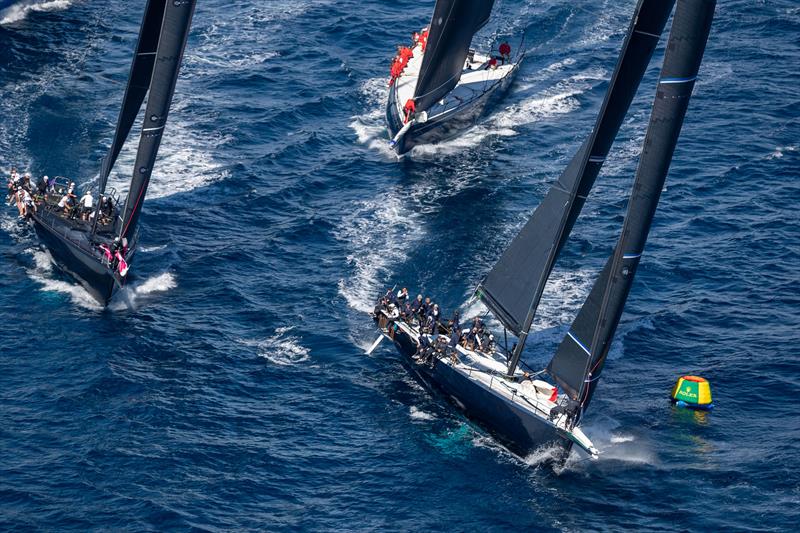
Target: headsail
{"x":453,"y":24}
{"x":513,"y":288}
{"x":172,"y":41}
{"x":579,"y":359}
{"x":138,"y":83}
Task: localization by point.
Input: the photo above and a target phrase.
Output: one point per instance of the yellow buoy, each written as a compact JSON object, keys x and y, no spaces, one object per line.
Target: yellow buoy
{"x":693,"y":392}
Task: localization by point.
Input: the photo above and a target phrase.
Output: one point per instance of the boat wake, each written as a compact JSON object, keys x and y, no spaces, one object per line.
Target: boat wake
{"x":42,"y":273}
{"x":185,"y":162}
{"x":418,"y":414}
{"x":131,"y":296}
{"x":379,"y":232}
{"x":283,"y":349}
{"x":19,"y":10}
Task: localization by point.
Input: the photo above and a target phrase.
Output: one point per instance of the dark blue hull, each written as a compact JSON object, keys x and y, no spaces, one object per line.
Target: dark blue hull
{"x":446,"y":125}
{"x":73,"y":258}
{"x":516,"y":428}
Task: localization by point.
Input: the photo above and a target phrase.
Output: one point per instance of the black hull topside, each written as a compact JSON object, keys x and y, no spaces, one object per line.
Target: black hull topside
{"x":444,"y":126}
{"x":73,"y":255}
{"x":518,"y":430}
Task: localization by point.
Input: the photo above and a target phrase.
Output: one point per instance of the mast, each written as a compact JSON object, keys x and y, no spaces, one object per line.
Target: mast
{"x":450,"y":33}
{"x":579,"y":360}
{"x":514,"y":286}
{"x":174,"y":32}
{"x":138,"y":82}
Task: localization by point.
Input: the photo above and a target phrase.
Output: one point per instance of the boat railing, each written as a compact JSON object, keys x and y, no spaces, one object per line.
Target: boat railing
{"x":500,"y":380}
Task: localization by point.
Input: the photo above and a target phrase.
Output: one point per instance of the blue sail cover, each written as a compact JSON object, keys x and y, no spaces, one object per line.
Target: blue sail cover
{"x":452,"y":27}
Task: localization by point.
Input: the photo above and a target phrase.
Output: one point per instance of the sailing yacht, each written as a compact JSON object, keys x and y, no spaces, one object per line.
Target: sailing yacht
{"x":98,"y":251}
{"x":448,"y":84}
{"x":535,"y":409}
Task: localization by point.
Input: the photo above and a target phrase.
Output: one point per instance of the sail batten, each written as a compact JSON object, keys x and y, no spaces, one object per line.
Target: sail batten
{"x":450,"y":33}
{"x":577,"y":369}
{"x":514,"y":286}
{"x":173,"y":34}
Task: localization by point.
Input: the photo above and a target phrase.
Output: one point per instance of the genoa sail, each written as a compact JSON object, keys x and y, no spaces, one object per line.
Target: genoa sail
{"x":138,"y":82}
{"x":452,"y":27}
{"x":174,"y":32}
{"x":514,"y":286}
{"x":580,"y":357}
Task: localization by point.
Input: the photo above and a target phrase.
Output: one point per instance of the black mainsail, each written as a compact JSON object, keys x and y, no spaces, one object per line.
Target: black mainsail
{"x":174,"y":31}
{"x":580,"y":357}
{"x":452,"y":27}
{"x":514,"y":286}
{"x":138,"y":82}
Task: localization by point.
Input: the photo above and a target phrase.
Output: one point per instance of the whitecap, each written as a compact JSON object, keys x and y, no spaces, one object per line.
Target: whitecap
{"x":130,"y":296}
{"x":418,"y":414}
{"x":19,"y":10}
{"x":283,"y":349}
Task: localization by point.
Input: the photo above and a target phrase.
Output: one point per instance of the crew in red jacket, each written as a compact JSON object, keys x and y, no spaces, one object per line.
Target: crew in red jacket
{"x":410,"y":108}
{"x":505,"y":52}
{"x":405,"y":54}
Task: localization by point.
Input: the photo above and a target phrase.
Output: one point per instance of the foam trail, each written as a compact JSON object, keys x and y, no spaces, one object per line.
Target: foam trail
{"x":418,"y":414}
{"x":130,"y":295}
{"x":281,"y":348}
{"x":42,"y":272}
{"x":19,"y":10}
{"x":185,"y":160}
{"x":380,"y":231}
{"x":370,"y":128}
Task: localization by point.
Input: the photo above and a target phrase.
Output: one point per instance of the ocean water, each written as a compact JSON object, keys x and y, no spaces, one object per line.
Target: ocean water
{"x":227,"y":388}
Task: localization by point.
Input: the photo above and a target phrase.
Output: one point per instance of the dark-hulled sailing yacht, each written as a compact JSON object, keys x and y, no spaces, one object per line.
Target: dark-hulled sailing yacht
{"x":98,"y":251}
{"x":537,"y":409}
{"x":449,"y":84}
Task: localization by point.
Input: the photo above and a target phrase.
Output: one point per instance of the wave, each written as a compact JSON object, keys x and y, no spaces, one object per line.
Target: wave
{"x":19,"y":10}
{"x":129,"y":297}
{"x":283,"y":349}
{"x":418,"y":414}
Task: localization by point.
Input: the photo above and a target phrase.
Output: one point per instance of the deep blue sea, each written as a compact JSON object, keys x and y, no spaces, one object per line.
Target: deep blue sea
{"x":227,"y":388}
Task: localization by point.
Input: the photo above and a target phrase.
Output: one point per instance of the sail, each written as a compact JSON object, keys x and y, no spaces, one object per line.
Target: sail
{"x":172,"y":41}
{"x":138,"y":83}
{"x":513,"y":287}
{"x":580,"y":357}
{"x":453,"y":24}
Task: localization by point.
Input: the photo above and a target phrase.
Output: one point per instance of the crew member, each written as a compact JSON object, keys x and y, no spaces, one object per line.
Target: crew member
{"x":410,"y":110}
{"x":28,"y":206}
{"x":423,"y":39}
{"x":402,"y":296}
{"x":505,"y":52}
{"x":454,"y":323}
{"x":405,"y":54}
{"x":395,"y":71}
{"x":87,"y":202}
{"x":491,"y":64}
